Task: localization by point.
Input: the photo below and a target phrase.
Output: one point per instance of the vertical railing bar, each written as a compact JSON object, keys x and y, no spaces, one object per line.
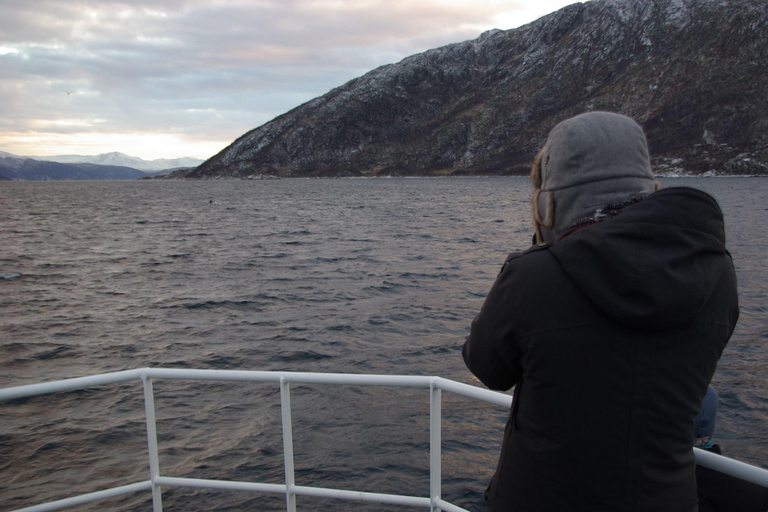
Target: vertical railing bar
{"x":290,"y":482}
{"x":154,"y":457}
{"x":435,"y":445}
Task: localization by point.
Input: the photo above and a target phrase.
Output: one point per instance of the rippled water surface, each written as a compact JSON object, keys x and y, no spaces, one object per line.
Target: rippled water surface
{"x":355,"y":276}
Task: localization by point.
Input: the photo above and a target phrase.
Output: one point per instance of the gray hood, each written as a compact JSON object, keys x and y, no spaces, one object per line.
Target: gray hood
{"x":590,"y":161}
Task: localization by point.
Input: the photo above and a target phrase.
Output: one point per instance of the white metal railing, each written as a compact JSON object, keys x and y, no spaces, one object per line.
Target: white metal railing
{"x":435,"y":385}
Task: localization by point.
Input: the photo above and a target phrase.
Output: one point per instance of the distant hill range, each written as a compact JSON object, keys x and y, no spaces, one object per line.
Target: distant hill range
{"x":692,"y":72}
{"x":109,"y":166}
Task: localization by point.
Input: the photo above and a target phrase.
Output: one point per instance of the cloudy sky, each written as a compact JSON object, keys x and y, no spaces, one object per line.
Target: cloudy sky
{"x":173,"y":78}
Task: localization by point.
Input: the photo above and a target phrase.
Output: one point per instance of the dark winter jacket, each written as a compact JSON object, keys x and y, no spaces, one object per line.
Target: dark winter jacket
{"x":611,"y":336}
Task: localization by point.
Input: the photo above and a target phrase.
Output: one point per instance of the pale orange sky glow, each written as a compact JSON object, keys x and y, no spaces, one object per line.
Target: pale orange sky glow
{"x":174,"y":78}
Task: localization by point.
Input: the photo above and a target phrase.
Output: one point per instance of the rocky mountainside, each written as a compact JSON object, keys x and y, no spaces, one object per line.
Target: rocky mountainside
{"x":692,"y":72}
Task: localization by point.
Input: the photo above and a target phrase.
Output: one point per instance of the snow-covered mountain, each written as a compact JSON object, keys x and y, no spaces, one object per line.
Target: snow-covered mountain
{"x":123,"y":160}
{"x":693,"y":73}
{"x":109,"y":166}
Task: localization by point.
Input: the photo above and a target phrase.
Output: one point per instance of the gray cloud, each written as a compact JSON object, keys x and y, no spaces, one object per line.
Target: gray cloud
{"x":204,"y":70}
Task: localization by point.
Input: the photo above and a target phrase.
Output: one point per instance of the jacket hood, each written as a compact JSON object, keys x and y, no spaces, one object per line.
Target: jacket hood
{"x":656,"y":264}
{"x":589,"y":161}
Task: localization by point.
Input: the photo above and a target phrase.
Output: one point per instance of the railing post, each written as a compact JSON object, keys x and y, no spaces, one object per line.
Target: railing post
{"x":290,"y":482}
{"x":154,"y":458}
{"x":435,"y":445}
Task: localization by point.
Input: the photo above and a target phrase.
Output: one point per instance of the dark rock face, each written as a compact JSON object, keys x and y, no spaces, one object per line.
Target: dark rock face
{"x":692,"y":72}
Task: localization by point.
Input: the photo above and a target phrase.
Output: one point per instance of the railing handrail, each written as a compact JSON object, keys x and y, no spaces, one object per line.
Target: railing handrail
{"x":284,"y":379}
{"x":354,"y":379}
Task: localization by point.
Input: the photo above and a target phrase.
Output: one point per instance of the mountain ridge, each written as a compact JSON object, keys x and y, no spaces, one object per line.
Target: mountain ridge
{"x":106,"y":166}
{"x":28,"y":169}
{"x":692,"y":72}
{"x":121,"y":159}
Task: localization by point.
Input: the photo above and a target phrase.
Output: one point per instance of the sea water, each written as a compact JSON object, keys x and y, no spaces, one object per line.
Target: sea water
{"x":341,"y":275}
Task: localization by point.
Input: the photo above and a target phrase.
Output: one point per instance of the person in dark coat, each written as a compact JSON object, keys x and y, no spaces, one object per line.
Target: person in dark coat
{"x":609,"y":328}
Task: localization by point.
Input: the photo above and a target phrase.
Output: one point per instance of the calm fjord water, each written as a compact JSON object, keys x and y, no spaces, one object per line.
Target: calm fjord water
{"x":359,"y":276}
